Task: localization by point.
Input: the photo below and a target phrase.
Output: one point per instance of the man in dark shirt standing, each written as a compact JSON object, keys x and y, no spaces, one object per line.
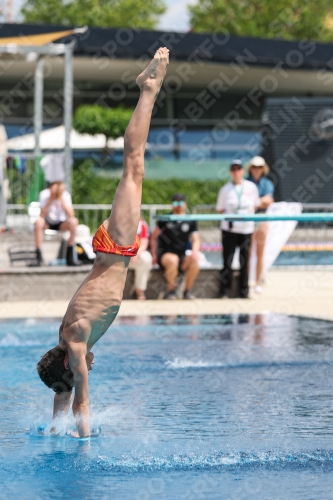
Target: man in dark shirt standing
{"x":169,"y":242}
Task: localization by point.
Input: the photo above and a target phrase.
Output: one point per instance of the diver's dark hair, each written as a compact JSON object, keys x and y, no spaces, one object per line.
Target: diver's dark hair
{"x":52,"y":371}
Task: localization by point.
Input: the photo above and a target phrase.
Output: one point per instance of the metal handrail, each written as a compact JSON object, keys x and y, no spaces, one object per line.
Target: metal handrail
{"x":303,"y":217}
{"x":95,"y":207}
{"x":101,"y":206}
{"x":16,"y":206}
{"x":306,"y":207}
{"x":146,"y":206}
{"x":152,"y":208}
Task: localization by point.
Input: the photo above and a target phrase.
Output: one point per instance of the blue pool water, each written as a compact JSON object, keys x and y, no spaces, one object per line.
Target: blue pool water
{"x":295,"y":258}
{"x":210,"y":407}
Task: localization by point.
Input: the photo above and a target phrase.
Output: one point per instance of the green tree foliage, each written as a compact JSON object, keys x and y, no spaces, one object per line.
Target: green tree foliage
{"x":90,"y":188}
{"x":287,"y":19}
{"x":142,"y":14}
{"x":93,"y":119}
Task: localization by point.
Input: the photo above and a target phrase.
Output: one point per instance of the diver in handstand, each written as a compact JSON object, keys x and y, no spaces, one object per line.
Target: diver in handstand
{"x":96,"y":303}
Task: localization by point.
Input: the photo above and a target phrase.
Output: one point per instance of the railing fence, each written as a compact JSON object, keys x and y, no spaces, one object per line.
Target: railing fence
{"x":90,"y":214}
{"x":311,"y":243}
{"x":93,"y":214}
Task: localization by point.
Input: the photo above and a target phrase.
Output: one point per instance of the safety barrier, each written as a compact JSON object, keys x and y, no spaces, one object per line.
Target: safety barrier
{"x":90,"y":214}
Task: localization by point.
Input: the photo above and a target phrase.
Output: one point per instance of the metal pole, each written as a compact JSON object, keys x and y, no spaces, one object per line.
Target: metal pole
{"x":152,"y":216}
{"x":68,"y":110}
{"x":3,"y":201}
{"x":38,"y":116}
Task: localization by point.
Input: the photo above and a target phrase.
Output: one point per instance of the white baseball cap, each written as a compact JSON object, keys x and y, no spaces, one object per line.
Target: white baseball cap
{"x":257,"y":161}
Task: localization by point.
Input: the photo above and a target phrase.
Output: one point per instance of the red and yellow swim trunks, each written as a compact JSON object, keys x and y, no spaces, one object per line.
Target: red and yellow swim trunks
{"x":102,"y":242}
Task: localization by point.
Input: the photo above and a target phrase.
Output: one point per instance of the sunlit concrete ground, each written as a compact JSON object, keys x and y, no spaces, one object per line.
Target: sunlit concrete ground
{"x":306,"y":293}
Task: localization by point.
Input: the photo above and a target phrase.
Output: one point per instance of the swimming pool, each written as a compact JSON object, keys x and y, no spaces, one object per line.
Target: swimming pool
{"x":209,"y":407}
{"x":287,"y":258}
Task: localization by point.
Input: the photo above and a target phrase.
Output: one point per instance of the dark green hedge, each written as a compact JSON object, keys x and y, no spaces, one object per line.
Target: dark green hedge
{"x":91,"y":188}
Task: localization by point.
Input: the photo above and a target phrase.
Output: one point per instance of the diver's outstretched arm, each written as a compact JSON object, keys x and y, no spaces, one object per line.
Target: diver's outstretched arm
{"x":61,"y":403}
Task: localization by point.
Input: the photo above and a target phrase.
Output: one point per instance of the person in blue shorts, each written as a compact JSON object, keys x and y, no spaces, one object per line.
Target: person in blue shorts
{"x":258,"y":170}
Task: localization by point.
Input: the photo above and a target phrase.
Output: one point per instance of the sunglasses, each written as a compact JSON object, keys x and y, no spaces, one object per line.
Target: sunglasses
{"x":236,"y":168}
{"x":178,"y":203}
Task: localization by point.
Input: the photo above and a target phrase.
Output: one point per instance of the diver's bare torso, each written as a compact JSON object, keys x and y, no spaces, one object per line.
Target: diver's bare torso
{"x":96,"y":303}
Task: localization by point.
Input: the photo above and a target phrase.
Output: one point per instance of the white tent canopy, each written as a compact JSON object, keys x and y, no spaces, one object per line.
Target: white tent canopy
{"x":53,"y":139}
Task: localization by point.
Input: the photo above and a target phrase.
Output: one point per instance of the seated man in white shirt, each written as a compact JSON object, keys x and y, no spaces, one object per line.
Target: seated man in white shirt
{"x":56,"y":213}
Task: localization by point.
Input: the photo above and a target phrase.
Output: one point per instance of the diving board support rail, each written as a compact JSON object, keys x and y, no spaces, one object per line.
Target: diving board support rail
{"x":313,"y":217}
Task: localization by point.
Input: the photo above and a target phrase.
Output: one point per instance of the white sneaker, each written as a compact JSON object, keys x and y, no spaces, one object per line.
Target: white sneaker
{"x":258,"y":289}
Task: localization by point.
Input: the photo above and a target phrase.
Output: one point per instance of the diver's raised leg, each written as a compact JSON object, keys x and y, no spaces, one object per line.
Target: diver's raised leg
{"x":124,"y":219}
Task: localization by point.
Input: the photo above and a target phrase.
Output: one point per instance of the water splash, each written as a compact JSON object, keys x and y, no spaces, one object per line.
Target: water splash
{"x":64,"y":425}
{"x":44,"y":426}
{"x":179,"y":363}
{"x":218,"y":461}
{"x":59,"y":428}
{"x":183,"y":363}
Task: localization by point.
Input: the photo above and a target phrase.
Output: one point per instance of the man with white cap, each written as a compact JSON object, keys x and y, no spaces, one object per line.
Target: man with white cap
{"x":236,"y":197}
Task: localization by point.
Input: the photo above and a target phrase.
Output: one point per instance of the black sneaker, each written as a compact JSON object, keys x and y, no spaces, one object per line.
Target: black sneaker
{"x":35,"y":263}
{"x":170,"y":295}
{"x":71,"y":257}
{"x":188,"y":295}
{"x":38,"y":261}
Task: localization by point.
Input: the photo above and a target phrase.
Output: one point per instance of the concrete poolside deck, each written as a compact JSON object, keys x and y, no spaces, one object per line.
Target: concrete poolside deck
{"x":287,"y":291}
{"x":306,"y":293}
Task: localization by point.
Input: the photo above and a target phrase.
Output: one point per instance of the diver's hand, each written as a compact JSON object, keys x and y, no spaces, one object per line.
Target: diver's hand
{"x":75,"y":434}
{"x":53,"y":432}
{"x":90,"y":360}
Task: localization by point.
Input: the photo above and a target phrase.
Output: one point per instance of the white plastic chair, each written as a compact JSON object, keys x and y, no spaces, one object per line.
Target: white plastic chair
{"x":34,"y":213}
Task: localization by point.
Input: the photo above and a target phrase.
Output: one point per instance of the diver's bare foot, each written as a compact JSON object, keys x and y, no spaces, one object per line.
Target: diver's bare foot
{"x":152,"y":77}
